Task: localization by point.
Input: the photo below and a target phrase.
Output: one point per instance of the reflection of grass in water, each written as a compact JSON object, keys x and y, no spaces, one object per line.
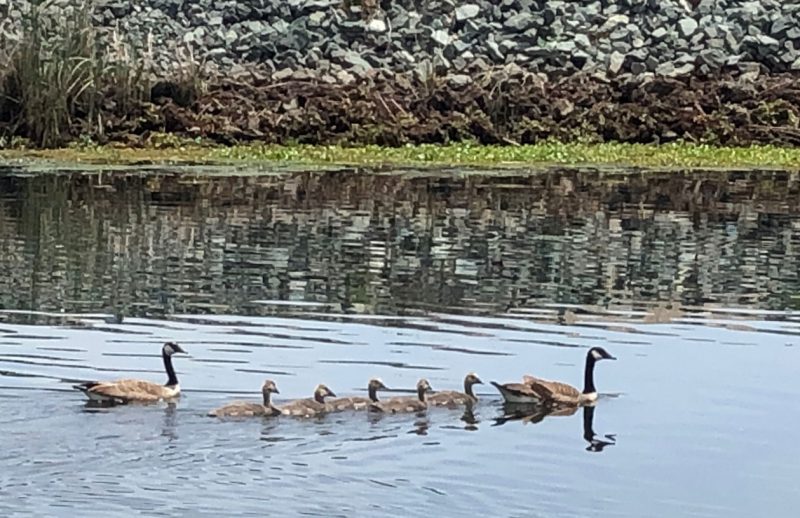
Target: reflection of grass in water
{"x":173,"y":149}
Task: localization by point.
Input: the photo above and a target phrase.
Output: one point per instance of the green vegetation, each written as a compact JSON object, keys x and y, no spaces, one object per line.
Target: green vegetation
{"x":171,"y":150}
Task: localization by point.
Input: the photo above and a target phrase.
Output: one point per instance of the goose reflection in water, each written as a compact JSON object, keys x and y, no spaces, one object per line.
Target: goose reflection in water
{"x":527,"y":414}
{"x":169,"y":428}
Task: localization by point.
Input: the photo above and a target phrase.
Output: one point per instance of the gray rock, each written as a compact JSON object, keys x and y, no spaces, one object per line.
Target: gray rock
{"x":687,"y":26}
{"x":714,"y":58}
{"x":441,"y":37}
{"x":659,"y":34}
{"x":316,"y":18}
{"x":345,"y":77}
{"x":613,"y":22}
{"x":508,"y":46}
{"x":357,"y":64}
{"x":637,"y":68}
{"x":459,"y":80}
{"x":615,"y":62}
{"x":494,"y":50}
{"x":377,"y":26}
{"x":466,"y":12}
{"x":781,"y":25}
{"x":520,"y":22}
{"x":282,"y":74}
{"x":795,"y":65}
{"x":582,"y":41}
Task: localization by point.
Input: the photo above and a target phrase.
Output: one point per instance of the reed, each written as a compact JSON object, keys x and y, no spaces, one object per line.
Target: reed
{"x":65,"y":78}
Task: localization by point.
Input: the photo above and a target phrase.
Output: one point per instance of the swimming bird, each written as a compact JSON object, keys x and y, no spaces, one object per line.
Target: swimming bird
{"x":454,"y":398}
{"x":357,"y":402}
{"x":132,"y":390}
{"x":245,"y":409}
{"x":309,"y":407}
{"x":405,"y":403}
{"x":537,"y":390}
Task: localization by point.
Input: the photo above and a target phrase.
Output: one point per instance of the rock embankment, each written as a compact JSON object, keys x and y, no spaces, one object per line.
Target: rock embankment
{"x":340,"y":40}
{"x":462,"y":58}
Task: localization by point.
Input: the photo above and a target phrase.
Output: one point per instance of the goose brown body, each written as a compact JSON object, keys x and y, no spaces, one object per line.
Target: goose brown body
{"x":309,"y":407}
{"x":357,"y":402}
{"x":452,"y":398}
{"x":249,"y":409}
{"x":395,"y":405}
{"x":124,"y":391}
{"x":555,"y":393}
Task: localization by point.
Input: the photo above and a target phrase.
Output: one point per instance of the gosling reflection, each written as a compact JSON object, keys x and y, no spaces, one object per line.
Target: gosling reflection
{"x":470,"y":421}
{"x":532,"y":414}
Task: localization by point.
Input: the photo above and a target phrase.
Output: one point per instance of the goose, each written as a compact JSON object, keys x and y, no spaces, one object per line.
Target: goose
{"x":405,"y":403}
{"x":453,"y":398}
{"x":309,"y":407}
{"x":537,"y":390}
{"x":132,"y":390}
{"x":358,"y":402}
{"x":245,"y":409}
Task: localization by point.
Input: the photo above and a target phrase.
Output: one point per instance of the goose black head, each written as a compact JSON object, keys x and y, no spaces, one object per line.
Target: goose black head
{"x":269,"y":387}
{"x":423,"y":386}
{"x":598,"y":353}
{"x":171,"y":348}
{"x":472,"y":379}
{"x":376,"y":384}
{"x":322,"y":391}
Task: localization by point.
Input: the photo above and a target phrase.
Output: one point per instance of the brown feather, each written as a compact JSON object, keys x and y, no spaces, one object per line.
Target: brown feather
{"x":304,"y":408}
{"x":450,"y":398}
{"x":553,"y":391}
{"x":244,"y":409}
{"x":133,"y":390}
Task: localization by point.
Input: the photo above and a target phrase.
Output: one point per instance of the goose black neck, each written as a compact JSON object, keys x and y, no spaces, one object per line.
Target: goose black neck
{"x":318,"y":397}
{"x":267,"y":398}
{"x":172,"y":379}
{"x":468,"y":389}
{"x":588,"y":421}
{"x":421,"y":393}
{"x":373,"y":393}
{"x":588,"y":375}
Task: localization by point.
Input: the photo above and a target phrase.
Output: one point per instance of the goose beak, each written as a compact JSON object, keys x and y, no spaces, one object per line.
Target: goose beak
{"x":609,"y":357}
{"x":331,"y":394}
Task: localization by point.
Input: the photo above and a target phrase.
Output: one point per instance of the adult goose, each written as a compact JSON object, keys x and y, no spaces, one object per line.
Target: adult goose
{"x":358,"y":402}
{"x":537,"y":390}
{"x":309,"y":407}
{"x":454,"y":398}
{"x":395,"y":405}
{"x":132,"y":390}
{"x":246,"y":409}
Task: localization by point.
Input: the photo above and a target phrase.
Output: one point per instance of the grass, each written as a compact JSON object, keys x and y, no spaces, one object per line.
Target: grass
{"x":64,"y":74}
{"x":673,"y":155}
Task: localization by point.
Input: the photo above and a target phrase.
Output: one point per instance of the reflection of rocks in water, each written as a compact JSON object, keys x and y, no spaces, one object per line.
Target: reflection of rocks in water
{"x":384,"y":243}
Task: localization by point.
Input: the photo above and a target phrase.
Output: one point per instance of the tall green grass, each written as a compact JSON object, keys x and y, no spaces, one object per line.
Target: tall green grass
{"x":64,"y":78}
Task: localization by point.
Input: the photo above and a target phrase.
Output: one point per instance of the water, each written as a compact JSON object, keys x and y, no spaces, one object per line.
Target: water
{"x":689,"y":279}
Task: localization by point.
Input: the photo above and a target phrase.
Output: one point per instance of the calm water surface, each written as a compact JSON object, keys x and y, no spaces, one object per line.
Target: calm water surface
{"x":691,"y":280}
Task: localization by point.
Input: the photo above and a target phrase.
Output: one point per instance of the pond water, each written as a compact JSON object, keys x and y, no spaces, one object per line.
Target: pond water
{"x":689,"y":279}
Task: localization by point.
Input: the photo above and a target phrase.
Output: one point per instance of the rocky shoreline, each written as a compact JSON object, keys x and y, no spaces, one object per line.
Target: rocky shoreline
{"x":400,"y":71}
